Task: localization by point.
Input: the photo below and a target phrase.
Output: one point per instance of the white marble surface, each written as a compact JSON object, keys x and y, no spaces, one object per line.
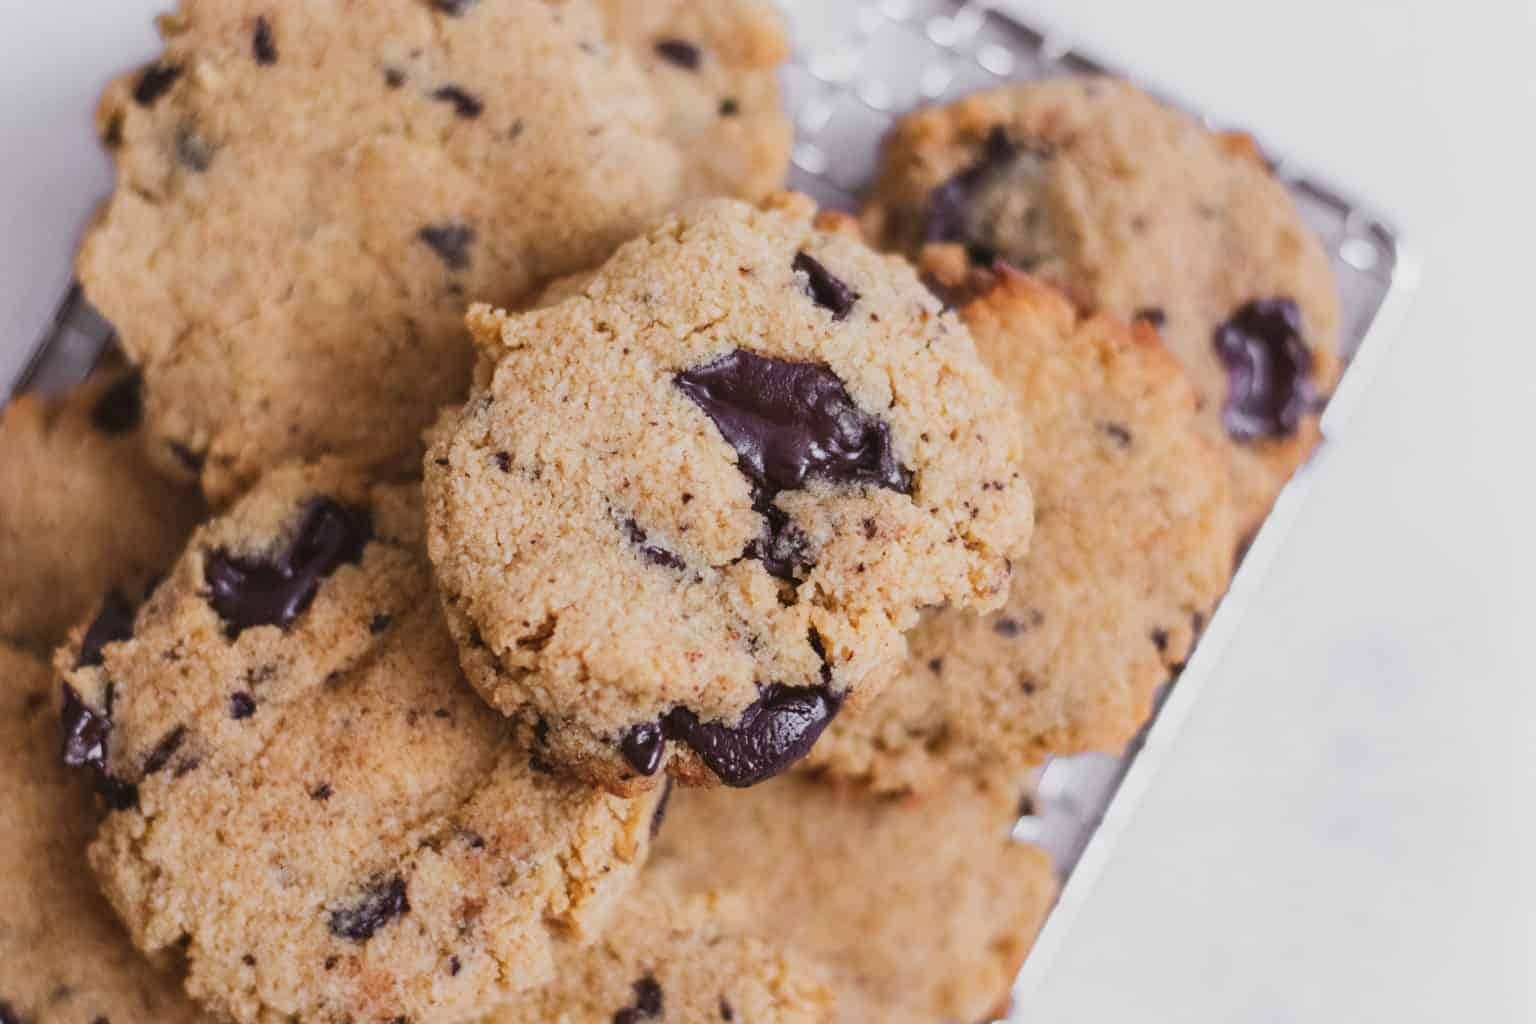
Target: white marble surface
{"x":1345,"y":831}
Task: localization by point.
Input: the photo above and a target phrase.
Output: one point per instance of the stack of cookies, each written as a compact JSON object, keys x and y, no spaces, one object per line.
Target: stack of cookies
{"x":524,"y":567}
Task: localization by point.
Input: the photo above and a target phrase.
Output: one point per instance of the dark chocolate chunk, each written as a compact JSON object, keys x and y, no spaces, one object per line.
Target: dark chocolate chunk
{"x":113,"y":624}
{"x":1160,"y":639}
{"x":192,"y":460}
{"x":465,"y":104}
{"x":192,"y":150}
{"x":263,"y":46}
{"x":322,"y":793}
{"x":680,"y":52}
{"x":949,"y":203}
{"x":379,"y":623}
{"x":1152,"y":315}
{"x":1269,"y":367}
{"x":1118,"y":432}
{"x":659,"y":815}
{"x":504,"y":461}
{"x":86,"y":731}
{"x":791,"y":422}
{"x":650,"y":552}
{"x":726,"y":1011}
{"x":166,"y":749}
{"x":275,"y":589}
{"x":729,"y":107}
{"x":642,"y":746}
{"x":826,"y":290}
{"x":454,"y":967}
{"x":775,"y":731}
{"x":120,"y":409}
{"x":783,"y":547}
{"x":454,"y":8}
{"x":394,"y":77}
{"x":241,"y":705}
{"x":8,"y":1014}
{"x":154,"y":82}
{"x":451,"y":242}
{"x":383,"y":901}
{"x":647,"y":1004}
{"x":936,"y":666}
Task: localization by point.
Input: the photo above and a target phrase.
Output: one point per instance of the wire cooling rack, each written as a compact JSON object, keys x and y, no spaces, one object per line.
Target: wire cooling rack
{"x":858,"y":64}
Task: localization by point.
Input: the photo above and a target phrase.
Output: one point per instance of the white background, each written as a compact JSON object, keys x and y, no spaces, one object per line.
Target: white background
{"x":1345,"y":831}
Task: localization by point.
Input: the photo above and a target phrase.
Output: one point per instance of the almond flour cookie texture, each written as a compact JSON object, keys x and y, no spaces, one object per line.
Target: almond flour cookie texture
{"x":1136,"y":209}
{"x":690,"y":510}
{"x":921,"y":910}
{"x":63,"y":957}
{"x":1133,"y":545}
{"x":310,"y":193}
{"x":310,"y":809}
{"x":81,"y":514}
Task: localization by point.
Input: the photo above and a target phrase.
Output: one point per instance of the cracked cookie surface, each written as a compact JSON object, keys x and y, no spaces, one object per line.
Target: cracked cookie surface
{"x":690,"y":510}
{"x":81,"y":511}
{"x":63,"y":956}
{"x":1136,"y":209}
{"x":311,"y":808}
{"x":921,"y":910}
{"x":310,"y":194}
{"x":1133,"y":546}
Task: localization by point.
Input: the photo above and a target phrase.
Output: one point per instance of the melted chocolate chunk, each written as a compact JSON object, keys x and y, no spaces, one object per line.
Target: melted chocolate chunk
{"x":949,"y":204}
{"x":263,"y":46}
{"x":241,"y":705}
{"x":465,"y":104}
{"x":642,"y":746}
{"x":451,"y":242}
{"x":113,"y":624}
{"x":650,"y":552}
{"x":384,"y":900}
{"x":680,"y":52}
{"x":776,"y":730}
{"x":121,"y":409}
{"x":783,"y":547}
{"x":1269,"y":384}
{"x":826,"y":290}
{"x":647,"y":1004}
{"x":454,"y":8}
{"x":793,"y":422}
{"x":154,"y":82}
{"x":659,"y":815}
{"x":275,"y":589}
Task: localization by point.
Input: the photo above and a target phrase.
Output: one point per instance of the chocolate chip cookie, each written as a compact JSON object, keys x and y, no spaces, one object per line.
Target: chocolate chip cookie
{"x":1133,"y":545}
{"x":81,"y":512}
{"x":691,"y":509}
{"x":1136,"y":209}
{"x":309,"y":195}
{"x":63,"y":957}
{"x":922,"y":908}
{"x":670,"y":958}
{"x":309,"y":806}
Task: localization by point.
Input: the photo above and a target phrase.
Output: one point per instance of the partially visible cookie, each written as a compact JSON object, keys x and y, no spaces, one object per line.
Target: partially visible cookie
{"x":690,"y":510}
{"x":1133,"y":545}
{"x":670,"y":958}
{"x":63,"y":957}
{"x":310,"y":807}
{"x":1136,"y":209}
{"x":924,"y":907}
{"x":309,"y":195}
{"x":81,"y":512}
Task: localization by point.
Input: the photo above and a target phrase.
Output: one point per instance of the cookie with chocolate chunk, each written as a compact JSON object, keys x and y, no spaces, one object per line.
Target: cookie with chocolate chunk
{"x":309,"y":196}
{"x":63,"y":956}
{"x":82,"y":513}
{"x":309,"y":807}
{"x":1138,"y":210}
{"x":922,"y":910}
{"x":1133,"y":545}
{"x":690,"y":510}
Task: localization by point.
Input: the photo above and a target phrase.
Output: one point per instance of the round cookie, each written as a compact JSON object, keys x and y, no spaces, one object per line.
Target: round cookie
{"x":925,"y":908}
{"x":81,"y":512}
{"x":690,"y":509}
{"x":311,"y":809}
{"x":1136,"y":209}
{"x":1133,"y":546}
{"x":669,"y":958}
{"x":308,"y":197}
{"x":63,"y":957}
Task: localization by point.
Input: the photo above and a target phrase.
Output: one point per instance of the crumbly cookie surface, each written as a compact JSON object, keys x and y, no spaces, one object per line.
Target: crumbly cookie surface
{"x":310,"y":194}
{"x":1133,"y":546}
{"x":691,"y":509}
{"x":1136,"y":209}
{"x":311,"y":808}
{"x":669,"y":957}
{"x":81,"y":512}
{"x":63,"y":957}
{"x":924,"y":908}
